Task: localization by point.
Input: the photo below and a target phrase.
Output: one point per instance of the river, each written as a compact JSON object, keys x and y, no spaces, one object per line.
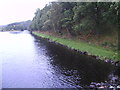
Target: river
{"x":31,"y":62}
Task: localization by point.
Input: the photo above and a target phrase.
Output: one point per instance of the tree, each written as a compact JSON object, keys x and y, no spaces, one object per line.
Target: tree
{"x":77,"y":18}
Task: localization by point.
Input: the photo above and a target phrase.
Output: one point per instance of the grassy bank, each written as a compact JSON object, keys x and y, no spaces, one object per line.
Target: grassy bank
{"x":82,"y":46}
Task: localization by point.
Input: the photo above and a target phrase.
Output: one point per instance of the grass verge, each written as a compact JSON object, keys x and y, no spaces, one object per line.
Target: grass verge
{"x":84,"y":47}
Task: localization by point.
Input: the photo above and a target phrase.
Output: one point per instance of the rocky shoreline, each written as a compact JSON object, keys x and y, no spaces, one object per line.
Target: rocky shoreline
{"x":116,"y":63}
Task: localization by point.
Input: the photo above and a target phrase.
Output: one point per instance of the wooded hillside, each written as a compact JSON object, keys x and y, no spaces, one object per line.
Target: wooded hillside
{"x":77,"y":17}
{"x":17,"y":26}
{"x":84,"y":19}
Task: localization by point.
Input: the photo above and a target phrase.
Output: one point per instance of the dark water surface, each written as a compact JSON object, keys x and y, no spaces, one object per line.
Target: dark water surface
{"x":31,"y":62}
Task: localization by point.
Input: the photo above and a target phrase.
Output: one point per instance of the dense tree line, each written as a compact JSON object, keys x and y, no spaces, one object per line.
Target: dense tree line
{"x":17,"y":26}
{"x":77,"y":18}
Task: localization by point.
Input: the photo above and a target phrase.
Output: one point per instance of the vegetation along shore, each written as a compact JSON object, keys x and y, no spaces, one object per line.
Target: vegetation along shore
{"x":83,"y":26}
{"x":83,"y":47}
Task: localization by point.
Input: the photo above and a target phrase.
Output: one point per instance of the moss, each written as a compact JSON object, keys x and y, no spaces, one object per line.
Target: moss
{"x":82,"y":46}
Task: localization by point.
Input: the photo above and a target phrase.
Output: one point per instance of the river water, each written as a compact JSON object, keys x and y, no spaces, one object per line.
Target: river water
{"x":31,"y":62}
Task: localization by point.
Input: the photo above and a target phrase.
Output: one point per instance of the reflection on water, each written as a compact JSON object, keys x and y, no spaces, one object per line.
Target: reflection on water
{"x":79,"y":70}
{"x":31,"y":62}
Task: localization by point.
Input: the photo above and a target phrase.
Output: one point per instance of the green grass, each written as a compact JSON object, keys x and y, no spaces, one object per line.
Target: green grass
{"x":82,"y":46}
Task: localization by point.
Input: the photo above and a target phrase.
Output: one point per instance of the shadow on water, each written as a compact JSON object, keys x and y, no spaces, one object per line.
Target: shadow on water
{"x":79,"y":70}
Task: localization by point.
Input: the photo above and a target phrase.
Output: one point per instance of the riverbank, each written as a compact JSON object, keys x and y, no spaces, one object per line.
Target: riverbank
{"x":89,"y":49}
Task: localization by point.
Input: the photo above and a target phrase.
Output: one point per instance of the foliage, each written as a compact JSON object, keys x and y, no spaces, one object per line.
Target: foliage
{"x":82,"y":46}
{"x":17,"y":26}
{"x":77,"y":17}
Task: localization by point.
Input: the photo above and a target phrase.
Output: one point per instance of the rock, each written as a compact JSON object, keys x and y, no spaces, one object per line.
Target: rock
{"x":85,"y":53}
{"x":80,"y":52}
{"x":108,"y":60}
{"x":102,"y":84}
{"x":112,"y":62}
{"x":93,"y":56}
{"x":98,"y":84}
{"x":93,"y":83}
{"x":92,"y":86}
{"x":118,"y":86}
{"x":102,"y":87}
{"x":97,"y":57}
{"x":50,"y":41}
{"x":117,"y":63}
{"x":75,"y":50}
{"x":111,"y":87}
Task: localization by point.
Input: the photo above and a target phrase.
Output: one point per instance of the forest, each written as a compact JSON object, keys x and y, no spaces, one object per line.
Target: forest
{"x":93,"y":22}
{"x":24,"y":25}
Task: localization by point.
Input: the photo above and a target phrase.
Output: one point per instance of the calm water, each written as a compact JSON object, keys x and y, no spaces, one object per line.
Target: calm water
{"x":31,"y":62}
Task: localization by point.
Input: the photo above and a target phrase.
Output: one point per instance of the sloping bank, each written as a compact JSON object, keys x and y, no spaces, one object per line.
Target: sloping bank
{"x":94,"y":51}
